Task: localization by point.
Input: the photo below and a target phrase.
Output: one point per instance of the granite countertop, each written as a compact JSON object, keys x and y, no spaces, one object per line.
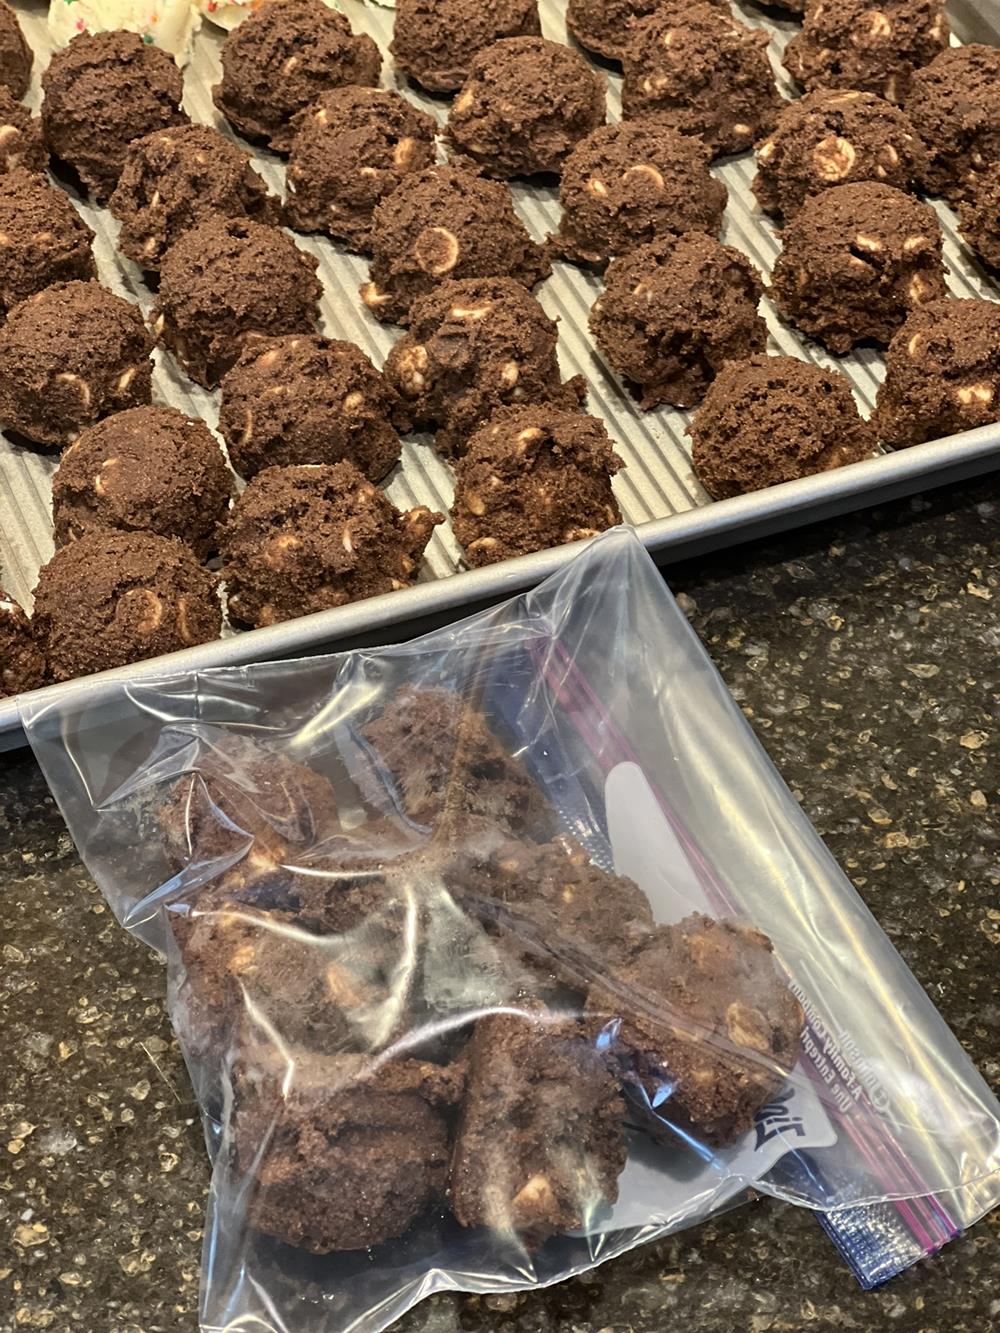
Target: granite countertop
{"x":866,"y":654}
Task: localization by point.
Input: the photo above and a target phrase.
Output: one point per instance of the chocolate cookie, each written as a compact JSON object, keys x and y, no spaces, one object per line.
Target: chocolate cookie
{"x":832,"y":138}
{"x":444,"y":764}
{"x":473,"y":346}
{"x":870,"y":49}
{"x":942,"y":374}
{"x":15,"y":54}
{"x":773,"y":419}
{"x":625,"y":185}
{"x":21,"y":143}
{"x":534,"y":477}
{"x":526,"y":102}
{"x":304,"y":539}
{"x":281,"y":58}
{"x":176,"y":178}
{"x":445,"y":223}
{"x":674,"y":312}
{"x":603,"y":25}
{"x":341,"y":1152}
{"x":243,"y":794}
{"x":560,"y":915}
{"x":297,"y":400}
{"x":22,"y":655}
{"x":856,"y":260}
{"x":43,"y":239}
{"x":980,"y":219}
{"x":101,"y":92}
{"x":702,"y":1026}
{"x":539,"y":1145}
{"x":954,"y":104}
{"x":226,"y":284}
{"x":434,"y":41}
{"x":701,"y":73}
{"x":351,"y":149}
{"x":149,"y":468}
{"x":113,"y":598}
{"x":69,"y":356}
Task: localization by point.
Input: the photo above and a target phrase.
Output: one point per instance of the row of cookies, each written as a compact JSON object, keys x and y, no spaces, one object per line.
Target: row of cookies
{"x":543,"y":1007}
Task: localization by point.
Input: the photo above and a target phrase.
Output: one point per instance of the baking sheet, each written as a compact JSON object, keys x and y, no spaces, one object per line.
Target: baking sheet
{"x":657,"y":490}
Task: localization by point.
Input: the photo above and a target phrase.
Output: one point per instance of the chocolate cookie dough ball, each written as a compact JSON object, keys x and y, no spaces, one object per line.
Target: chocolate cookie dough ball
{"x":113,"y":598}
{"x":21,"y":143}
{"x":68,"y":357}
{"x":602,"y":25}
{"x":15,"y":54}
{"x":702,"y":73}
{"x":773,"y":419}
{"x":954,"y":104}
{"x":702,"y":1026}
{"x":150,"y":468}
{"x":101,"y":92}
{"x":674,"y":312}
{"x":980,"y":218}
{"x":43,"y":239}
{"x":352,"y":149}
{"x":435,"y":41}
{"x":444,"y":224}
{"x":297,"y":400}
{"x":540,"y":1145}
{"x":473,"y":346}
{"x":338,"y":1157}
{"x":856,"y":260}
{"x":304,"y":539}
{"x":22,"y":655}
{"x":226,"y":284}
{"x":868,"y":47}
{"x":832,"y":138}
{"x":942,"y":374}
{"x":526,"y":102}
{"x":534,"y":477}
{"x":176,"y":178}
{"x":281,"y":58}
{"x":625,"y":185}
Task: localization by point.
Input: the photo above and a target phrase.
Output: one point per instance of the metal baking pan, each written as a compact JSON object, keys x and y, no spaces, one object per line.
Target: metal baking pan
{"x":658,"y":491}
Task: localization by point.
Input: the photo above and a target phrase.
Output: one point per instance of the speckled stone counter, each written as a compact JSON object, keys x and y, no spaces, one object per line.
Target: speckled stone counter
{"x":867,"y":655}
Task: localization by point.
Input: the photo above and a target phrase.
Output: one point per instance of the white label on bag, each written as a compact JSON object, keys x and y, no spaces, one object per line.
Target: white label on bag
{"x":665,"y":1184}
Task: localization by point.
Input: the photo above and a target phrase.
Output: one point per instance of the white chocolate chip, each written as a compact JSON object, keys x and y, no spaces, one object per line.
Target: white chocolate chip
{"x":369,"y":171}
{"x":474,"y":504}
{"x":843,"y":97}
{"x":578,"y":534}
{"x":353,"y":402}
{"x":650,"y":173}
{"x":596,"y":186}
{"x":534,"y":1197}
{"x":8,"y":132}
{"x":436,"y":250}
{"x":410,"y":367}
{"x":100,"y":480}
{"x":372,"y":295}
{"x":509,"y":373}
{"x":747,"y":1027}
{"x":919,"y":290}
{"x":974,"y":393}
{"x":914,"y":346}
{"x":81,"y":386}
{"x":157,"y":326}
{"x":289,"y":64}
{"x":125,"y":379}
{"x":913,"y":243}
{"x":149,"y":609}
{"x":890,"y":154}
{"x":246,"y":434}
{"x":402,"y":154}
{"x":471,"y":311}
{"x":346,"y":540}
{"x":767,"y":150}
{"x":149,"y":248}
{"x":742,"y":128}
{"x":891,"y":89}
{"x":879,"y":25}
{"x":464,"y":101}
{"x":482,"y":544}
{"x":833,"y":158}
{"x":274,"y":552}
{"x":655,"y":85}
{"x":184,"y":629}
{"x":869,"y":244}
{"x":321,"y":116}
{"x":527,"y":437}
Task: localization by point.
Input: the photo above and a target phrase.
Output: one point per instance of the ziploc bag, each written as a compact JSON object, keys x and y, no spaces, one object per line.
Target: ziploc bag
{"x":497,"y":953}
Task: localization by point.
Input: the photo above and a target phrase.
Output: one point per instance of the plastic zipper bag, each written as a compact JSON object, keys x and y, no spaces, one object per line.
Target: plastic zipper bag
{"x":495,"y":954}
